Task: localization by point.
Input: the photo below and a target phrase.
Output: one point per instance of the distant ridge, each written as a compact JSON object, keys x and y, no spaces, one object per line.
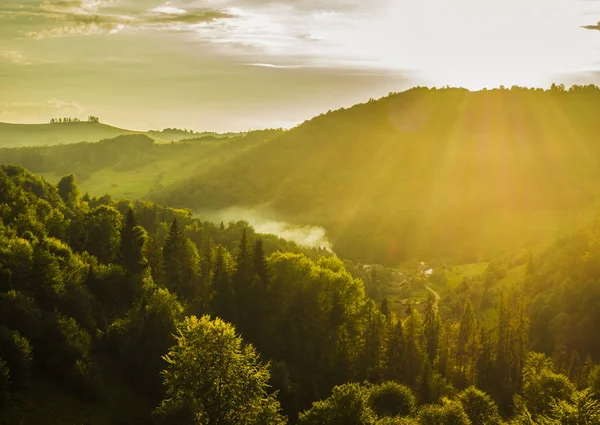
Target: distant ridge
{"x":19,"y":135}
{"x":22,"y":135}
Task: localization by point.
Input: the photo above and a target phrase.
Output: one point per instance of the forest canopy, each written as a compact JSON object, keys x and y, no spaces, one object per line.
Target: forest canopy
{"x":216,"y":324}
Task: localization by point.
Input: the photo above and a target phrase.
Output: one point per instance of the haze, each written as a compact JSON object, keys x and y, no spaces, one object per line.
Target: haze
{"x":232,"y":65}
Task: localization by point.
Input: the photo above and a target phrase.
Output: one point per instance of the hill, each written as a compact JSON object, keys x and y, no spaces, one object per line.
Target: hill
{"x":425,"y":173}
{"x":131,"y":165}
{"x":14,"y":135}
{"x":21,"y":135}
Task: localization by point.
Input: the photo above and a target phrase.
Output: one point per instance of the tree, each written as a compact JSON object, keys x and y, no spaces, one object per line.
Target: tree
{"x":395,"y":353}
{"x":542,"y":386}
{"x":413,"y":331}
{"x":222,"y":303}
{"x":180,"y":263}
{"x":103,"y":233}
{"x":468,"y":347}
{"x":69,"y":190}
{"x":145,"y":334}
{"x":259,"y":263}
{"x":133,"y":238}
{"x":392,"y":399}
{"x":431,"y":325}
{"x":451,"y":413}
{"x":16,"y":351}
{"x":212,"y":377}
{"x":347,"y":405}
{"x":479,"y":407}
{"x":580,"y":409}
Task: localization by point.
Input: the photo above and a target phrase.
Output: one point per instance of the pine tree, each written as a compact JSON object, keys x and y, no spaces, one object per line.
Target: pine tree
{"x":395,"y":353}
{"x":260,"y":263}
{"x":413,"y":331}
{"x":133,"y":238}
{"x":180,"y":263}
{"x":467,"y":350}
{"x":222,"y":303}
{"x":432,"y":328}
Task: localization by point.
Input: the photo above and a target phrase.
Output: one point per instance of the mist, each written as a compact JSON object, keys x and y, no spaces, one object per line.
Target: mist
{"x":265,"y":221}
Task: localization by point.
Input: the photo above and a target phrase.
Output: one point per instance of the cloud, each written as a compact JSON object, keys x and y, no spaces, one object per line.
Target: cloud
{"x":311,"y":5}
{"x":13,"y":57}
{"x":67,"y":18}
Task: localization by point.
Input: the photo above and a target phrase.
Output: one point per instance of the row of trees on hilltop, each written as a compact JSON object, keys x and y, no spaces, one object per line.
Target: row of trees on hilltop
{"x":68,"y":120}
{"x":213,"y":324}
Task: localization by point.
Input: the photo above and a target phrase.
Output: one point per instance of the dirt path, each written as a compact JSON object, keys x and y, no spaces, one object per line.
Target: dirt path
{"x":435,"y":294}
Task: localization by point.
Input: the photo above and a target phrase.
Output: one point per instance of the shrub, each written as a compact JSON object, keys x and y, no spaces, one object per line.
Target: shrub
{"x":392,"y":399}
{"x":479,"y":407}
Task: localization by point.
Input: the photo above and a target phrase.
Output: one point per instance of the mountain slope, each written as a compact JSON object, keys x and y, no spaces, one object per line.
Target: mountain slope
{"x":425,"y":172}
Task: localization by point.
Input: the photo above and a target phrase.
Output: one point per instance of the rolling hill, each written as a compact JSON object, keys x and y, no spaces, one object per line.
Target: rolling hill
{"x":15,"y":135}
{"x":20,"y":135}
{"x":134,"y":164}
{"x":425,"y":173}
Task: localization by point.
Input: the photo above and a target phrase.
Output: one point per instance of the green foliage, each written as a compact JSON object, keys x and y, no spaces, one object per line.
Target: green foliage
{"x":479,"y":407}
{"x":84,"y":292}
{"x":68,"y":190}
{"x":103,"y":233}
{"x":451,"y":413}
{"x":542,"y":386}
{"x":17,"y":353}
{"x":593,"y":381}
{"x":219,"y":379}
{"x":581,"y":409}
{"x":133,"y":239}
{"x":139,"y":340}
{"x":347,"y":405}
{"x":392,"y":399}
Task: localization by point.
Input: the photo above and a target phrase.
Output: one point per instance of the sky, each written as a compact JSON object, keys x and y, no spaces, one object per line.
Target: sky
{"x":234,"y":65}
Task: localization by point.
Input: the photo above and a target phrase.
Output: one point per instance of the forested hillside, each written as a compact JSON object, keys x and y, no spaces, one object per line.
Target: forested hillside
{"x":426,"y":173}
{"x":118,"y":311}
{"x":132,"y":165}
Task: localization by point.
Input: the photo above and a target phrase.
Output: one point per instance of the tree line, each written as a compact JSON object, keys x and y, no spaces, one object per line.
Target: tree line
{"x":68,"y":120}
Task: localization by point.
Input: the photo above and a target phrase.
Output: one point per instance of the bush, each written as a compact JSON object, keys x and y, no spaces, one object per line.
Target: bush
{"x":450,"y":413}
{"x":347,"y":405}
{"x":479,"y":407}
{"x":392,"y":399}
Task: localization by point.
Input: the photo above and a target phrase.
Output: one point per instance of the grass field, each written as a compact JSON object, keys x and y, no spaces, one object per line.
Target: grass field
{"x":460,"y":272}
{"x":135,"y":183}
